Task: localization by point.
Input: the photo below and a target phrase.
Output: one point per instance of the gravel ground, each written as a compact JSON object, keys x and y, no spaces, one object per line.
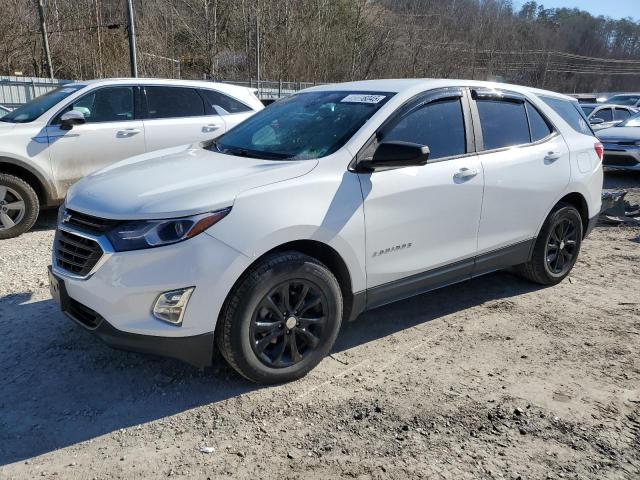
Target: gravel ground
{"x":492,"y":378}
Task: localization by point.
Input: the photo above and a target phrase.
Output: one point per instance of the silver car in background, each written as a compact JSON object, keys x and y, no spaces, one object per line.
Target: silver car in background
{"x":607,"y":115}
{"x":622,"y":145}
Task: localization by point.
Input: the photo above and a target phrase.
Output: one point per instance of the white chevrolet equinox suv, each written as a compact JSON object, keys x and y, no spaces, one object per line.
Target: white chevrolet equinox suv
{"x":49,"y":143}
{"x":333,"y":201}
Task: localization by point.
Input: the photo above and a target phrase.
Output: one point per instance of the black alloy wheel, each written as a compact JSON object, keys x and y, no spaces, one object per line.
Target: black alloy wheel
{"x":562,"y":246}
{"x":288,"y":323}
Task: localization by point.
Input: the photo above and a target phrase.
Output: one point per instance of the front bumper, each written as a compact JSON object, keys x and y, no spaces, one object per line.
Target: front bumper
{"x":115,"y":300}
{"x":621,"y":157}
{"x":196,"y":350}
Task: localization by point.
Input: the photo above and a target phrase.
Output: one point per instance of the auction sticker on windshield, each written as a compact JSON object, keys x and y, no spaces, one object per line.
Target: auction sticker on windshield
{"x":359,"y":98}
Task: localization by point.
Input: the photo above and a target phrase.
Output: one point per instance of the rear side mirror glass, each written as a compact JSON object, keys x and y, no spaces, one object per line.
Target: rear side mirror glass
{"x":71,"y":118}
{"x":396,"y":154}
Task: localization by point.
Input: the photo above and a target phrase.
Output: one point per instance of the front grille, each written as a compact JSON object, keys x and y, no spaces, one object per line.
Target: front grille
{"x":83,"y":314}
{"x":619,"y":160}
{"x":87,"y":223}
{"x":76,"y":254}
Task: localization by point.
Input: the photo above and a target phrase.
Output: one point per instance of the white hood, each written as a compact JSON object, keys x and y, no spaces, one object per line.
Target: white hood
{"x":176,"y":182}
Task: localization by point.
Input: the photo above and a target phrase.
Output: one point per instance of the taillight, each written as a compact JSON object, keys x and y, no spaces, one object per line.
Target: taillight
{"x":599,"y":150}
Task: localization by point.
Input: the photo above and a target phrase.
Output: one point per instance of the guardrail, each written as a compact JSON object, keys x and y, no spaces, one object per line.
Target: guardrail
{"x":16,"y":91}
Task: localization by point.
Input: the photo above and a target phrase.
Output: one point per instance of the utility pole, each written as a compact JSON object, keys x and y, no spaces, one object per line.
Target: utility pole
{"x":132,"y":40}
{"x":45,"y":38}
{"x":258,"y":46}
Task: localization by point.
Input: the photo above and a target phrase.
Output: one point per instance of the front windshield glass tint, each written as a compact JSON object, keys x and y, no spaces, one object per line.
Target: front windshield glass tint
{"x":631,"y":122}
{"x":624,"y":99}
{"x":304,"y":126}
{"x":36,"y":107}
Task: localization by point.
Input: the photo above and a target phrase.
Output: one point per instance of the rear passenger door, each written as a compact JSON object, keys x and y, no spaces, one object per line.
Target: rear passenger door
{"x":177,"y":116}
{"x":526,"y":168}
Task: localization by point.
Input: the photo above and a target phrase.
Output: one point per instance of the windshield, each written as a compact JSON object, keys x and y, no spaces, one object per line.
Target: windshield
{"x":36,"y":107}
{"x":631,"y":121}
{"x":587,"y":110}
{"x":624,"y":99}
{"x":304,"y":126}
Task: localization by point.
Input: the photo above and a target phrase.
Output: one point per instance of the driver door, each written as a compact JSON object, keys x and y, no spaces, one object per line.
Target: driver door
{"x":422,"y":222}
{"x":112,"y":132}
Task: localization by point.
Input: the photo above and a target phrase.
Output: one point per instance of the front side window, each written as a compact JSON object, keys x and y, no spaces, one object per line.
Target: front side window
{"x":223,"y":104}
{"x":504,"y":123}
{"x":173,"y":102}
{"x":303,"y":126}
{"x":570,"y":112}
{"x":624,"y":99}
{"x":109,"y":104}
{"x":622,"y":113}
{"x":438,"y":125}
{"x":587,"y":110}
{"x":35,"y":108}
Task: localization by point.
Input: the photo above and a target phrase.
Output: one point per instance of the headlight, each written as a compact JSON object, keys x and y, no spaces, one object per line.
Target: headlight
{"x":61,"y":212}
{"x":139,"y":234}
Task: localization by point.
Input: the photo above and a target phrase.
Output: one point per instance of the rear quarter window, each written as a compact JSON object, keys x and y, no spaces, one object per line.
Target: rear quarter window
{"x":571,"y":113}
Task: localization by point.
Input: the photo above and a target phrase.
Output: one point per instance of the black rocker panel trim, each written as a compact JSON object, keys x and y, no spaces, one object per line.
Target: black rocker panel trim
{"x":447,"y":275}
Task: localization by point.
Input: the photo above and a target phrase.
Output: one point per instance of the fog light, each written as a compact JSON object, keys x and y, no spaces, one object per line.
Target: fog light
{"x":170,"y":306}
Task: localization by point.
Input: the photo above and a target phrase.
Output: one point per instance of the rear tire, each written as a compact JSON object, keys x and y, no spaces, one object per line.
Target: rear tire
{"x":281,"y":319}
{"x":19,"y":206}
{"x":557,"y":247}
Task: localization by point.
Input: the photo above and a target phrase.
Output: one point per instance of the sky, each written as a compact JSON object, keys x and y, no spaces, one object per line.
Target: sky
{"x":608,"y":8}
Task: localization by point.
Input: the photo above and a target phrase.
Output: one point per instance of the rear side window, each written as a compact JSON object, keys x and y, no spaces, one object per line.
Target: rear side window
{"x":539,"y":127}
{"x":217,"y":101}
{"x":504,"y":123}
{"x":571,"y":113}
{"x":622,"y":114}
{"x":173,"y":102}
{"x":438,"y":125}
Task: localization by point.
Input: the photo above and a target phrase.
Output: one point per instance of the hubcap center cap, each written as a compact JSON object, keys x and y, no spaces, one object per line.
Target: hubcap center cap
{"x":291,"y":322}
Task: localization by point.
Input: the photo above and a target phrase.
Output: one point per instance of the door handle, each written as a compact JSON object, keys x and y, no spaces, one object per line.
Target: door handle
{"x":552,"y":156}
{"x":128,"y":132}
{"x":210,"y":128}
{"x":465,"y":173}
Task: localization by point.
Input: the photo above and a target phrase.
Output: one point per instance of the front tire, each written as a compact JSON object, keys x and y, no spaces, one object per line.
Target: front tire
{"x":19,"y":206}
{"x":557,"y":247}
{"x":281,"y":319}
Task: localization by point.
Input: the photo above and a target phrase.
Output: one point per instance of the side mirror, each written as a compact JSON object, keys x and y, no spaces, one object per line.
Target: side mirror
{"x":71,"y":118}
{"x":596,"y":121}
{"x":397,"y":154}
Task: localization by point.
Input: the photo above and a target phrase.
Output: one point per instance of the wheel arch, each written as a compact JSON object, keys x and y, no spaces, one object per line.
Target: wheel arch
{"x":34,"y":178}
{"x":580,"y":203}
{"x":353,"y":304}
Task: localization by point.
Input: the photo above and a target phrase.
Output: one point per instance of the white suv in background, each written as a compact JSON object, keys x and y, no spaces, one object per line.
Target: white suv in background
{"x":58,"y":138}
{"x":335,"y":200}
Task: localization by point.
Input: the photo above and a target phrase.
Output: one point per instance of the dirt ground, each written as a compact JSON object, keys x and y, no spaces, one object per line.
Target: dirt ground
{"x":492,"y":378}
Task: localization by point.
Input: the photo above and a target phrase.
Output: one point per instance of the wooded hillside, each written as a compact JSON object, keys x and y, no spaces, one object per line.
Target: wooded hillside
{"x":326,"y":41}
